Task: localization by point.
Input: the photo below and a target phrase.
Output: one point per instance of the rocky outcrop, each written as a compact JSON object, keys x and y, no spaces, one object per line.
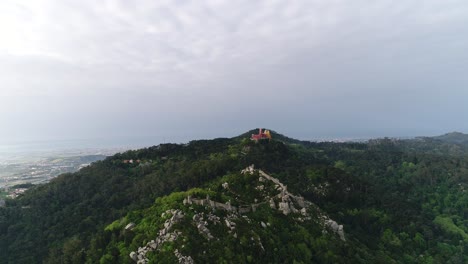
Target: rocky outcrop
{"x":272,"y":204}
{"x":165,"y":235}
{"x":335,"y":227}
{"x":134,"y":256}
{"x":273,"y":193}
{"x":183,"y":259}
{"x":202,"y":224}
{"x":322,"y":189}
{"x":130,"y":226}
{"x":249,"y":170}
{"x":288,"y":202}
{"x":230,"y":224}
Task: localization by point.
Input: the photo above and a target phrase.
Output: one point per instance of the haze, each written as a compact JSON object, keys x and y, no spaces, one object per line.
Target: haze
{"x":199,"y":69}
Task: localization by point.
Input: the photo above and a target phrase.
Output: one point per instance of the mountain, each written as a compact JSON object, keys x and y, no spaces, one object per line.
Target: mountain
{"x":240,"y":217}
{"x":277,"y":136}
{"x":453,"y":137}
{"x":386,"y":201}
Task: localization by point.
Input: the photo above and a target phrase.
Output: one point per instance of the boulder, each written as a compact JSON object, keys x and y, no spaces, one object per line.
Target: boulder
{"x":130,"y":226}
{"x":272,"y":204}
{"x":133,"y":255}
{"x":284,"y":207}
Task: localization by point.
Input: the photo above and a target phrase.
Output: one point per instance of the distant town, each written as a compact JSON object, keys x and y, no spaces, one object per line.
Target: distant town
{"x":19,"y":173}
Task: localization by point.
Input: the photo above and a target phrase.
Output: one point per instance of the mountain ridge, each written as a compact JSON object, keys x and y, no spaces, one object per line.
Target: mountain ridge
{"x":389,"y":195}
{"x":209,"y":214}
{"x":453,"y":137}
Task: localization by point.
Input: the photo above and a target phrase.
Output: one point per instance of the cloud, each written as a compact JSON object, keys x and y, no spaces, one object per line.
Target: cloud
{"x":194,"y":58}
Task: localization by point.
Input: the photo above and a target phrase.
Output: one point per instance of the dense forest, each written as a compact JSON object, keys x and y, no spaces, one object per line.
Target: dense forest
{"x":399,"y":201}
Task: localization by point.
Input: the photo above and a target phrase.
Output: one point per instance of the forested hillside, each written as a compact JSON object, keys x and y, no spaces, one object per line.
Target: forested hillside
{"x":399,"y":201}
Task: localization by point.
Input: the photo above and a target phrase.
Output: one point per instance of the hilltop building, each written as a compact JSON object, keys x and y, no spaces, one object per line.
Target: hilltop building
{"x":261,"y":135}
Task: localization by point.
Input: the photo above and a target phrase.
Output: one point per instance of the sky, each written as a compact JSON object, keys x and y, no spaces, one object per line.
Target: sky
{"x":181,"y":70}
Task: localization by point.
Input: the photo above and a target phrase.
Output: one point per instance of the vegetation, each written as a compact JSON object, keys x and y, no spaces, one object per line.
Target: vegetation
{"x":400,"y":201}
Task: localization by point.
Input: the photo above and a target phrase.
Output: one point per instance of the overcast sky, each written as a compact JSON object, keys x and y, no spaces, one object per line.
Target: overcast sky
{"x":201,"y":69}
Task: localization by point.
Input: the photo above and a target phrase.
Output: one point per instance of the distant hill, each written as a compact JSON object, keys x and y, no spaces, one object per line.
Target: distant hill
{"x":275,"y":135}
{"x":453,"y":137}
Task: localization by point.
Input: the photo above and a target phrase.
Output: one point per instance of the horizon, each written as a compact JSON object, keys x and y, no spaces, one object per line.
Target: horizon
{"x":142,"y":142}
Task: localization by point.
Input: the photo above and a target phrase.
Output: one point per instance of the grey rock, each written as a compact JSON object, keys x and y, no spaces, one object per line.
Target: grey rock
{"x":133,"y":255}
{"x":130,"y":226}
